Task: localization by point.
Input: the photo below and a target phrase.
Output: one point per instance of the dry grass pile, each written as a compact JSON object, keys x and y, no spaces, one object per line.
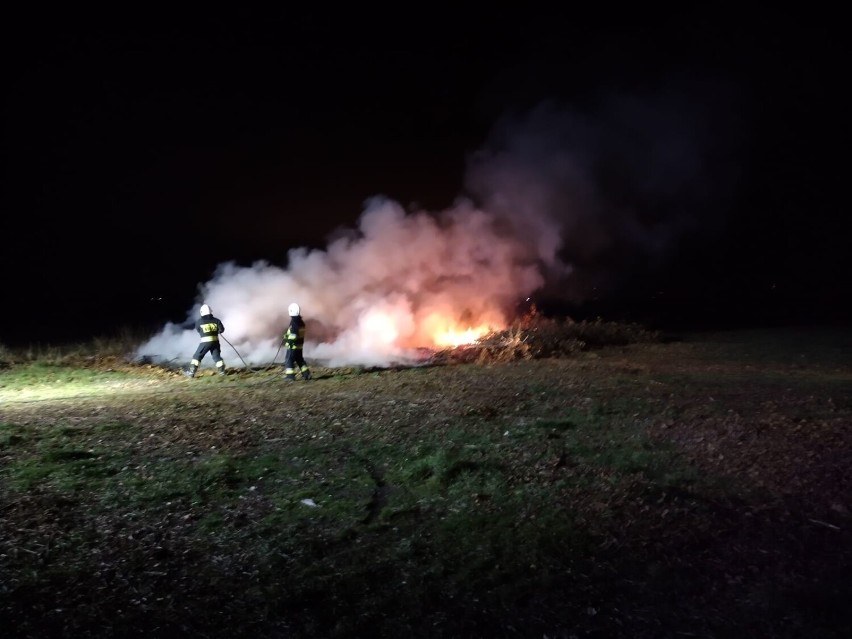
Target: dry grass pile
{"x":535,"y":337}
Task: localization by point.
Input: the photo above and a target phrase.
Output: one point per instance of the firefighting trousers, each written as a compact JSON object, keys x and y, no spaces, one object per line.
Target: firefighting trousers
{"x":293,"y":358}
{"x":203,"y":349}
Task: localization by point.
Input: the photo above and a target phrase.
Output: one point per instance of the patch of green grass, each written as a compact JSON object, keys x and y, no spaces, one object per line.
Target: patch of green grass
{"x":65,"y":469}
{"x":443,"y":480}
{"x":13,"y":435}
{"x":610,"y":437}
{"x":621,"y":447}
{"x":37,"y":381}
{"x":102,"y":428}
{"x":339,"y":480}
{"x":62,"y":457}
{"x":42,"y":373}
{"x":217,"y":477}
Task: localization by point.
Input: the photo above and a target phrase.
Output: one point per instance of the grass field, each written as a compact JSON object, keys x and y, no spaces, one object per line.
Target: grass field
{"x":691,"y":487}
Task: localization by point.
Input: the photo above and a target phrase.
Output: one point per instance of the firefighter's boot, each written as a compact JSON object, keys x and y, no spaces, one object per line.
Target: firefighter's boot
{"x":190,"y":372}
{"x":306,"y":375}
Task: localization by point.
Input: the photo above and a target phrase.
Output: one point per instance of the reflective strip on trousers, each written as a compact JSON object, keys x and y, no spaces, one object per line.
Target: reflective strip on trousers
{"x":210,"y":338}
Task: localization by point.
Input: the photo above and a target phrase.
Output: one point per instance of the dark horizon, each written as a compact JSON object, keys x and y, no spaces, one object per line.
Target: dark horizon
{"x":669,"y":314}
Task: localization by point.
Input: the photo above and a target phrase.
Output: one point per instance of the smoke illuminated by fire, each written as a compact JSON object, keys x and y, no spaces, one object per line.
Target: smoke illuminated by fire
{"x":557,"y":200}
{"x":399,"y":282}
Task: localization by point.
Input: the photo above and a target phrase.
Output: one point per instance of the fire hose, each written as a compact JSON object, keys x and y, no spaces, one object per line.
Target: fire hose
{"x":241,"y":357}
{"x":276,"y":353}
{"x":236,"y":351}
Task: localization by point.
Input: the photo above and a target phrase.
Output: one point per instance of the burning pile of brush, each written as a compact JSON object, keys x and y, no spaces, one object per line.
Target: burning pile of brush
{"x":534,"y":337}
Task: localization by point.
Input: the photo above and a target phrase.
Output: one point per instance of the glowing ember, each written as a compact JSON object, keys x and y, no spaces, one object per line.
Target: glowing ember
{"x":453,"y":338}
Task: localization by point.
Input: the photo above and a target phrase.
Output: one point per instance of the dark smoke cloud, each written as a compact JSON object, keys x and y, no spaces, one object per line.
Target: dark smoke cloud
{"x":607,"y":194}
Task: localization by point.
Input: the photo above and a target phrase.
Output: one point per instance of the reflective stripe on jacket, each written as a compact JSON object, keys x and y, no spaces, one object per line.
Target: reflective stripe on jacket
{"x":209,"y":328}
{"x":295,"y":336}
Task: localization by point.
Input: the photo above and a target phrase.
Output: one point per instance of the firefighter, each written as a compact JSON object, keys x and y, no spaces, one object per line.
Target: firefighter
{"x":209,"y":328}
{"x":294,"y":341}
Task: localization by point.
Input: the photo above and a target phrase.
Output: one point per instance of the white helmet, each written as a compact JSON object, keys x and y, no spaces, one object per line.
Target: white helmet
{"x":205,"y":310}
{"x":294,"y":310}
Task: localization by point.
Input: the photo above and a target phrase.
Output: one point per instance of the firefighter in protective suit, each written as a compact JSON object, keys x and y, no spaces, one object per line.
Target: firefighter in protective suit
{"x":294,"y":341}
{"x":209,"y":328}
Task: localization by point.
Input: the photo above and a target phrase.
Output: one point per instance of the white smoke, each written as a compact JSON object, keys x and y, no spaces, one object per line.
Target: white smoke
{"x":373,"y":296}
{"x":556,"y":197}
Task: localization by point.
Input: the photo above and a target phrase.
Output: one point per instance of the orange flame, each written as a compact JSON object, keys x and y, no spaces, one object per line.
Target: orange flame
{"x":455,"y":337}
{"x":383,"y":329}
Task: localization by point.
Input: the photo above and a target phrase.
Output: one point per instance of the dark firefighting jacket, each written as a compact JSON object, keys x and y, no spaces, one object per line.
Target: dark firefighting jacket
{"x":209,"y":327}
{"x":295,"y":336}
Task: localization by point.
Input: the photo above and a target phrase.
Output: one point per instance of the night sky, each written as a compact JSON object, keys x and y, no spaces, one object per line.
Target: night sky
{"x":142,"y":151}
